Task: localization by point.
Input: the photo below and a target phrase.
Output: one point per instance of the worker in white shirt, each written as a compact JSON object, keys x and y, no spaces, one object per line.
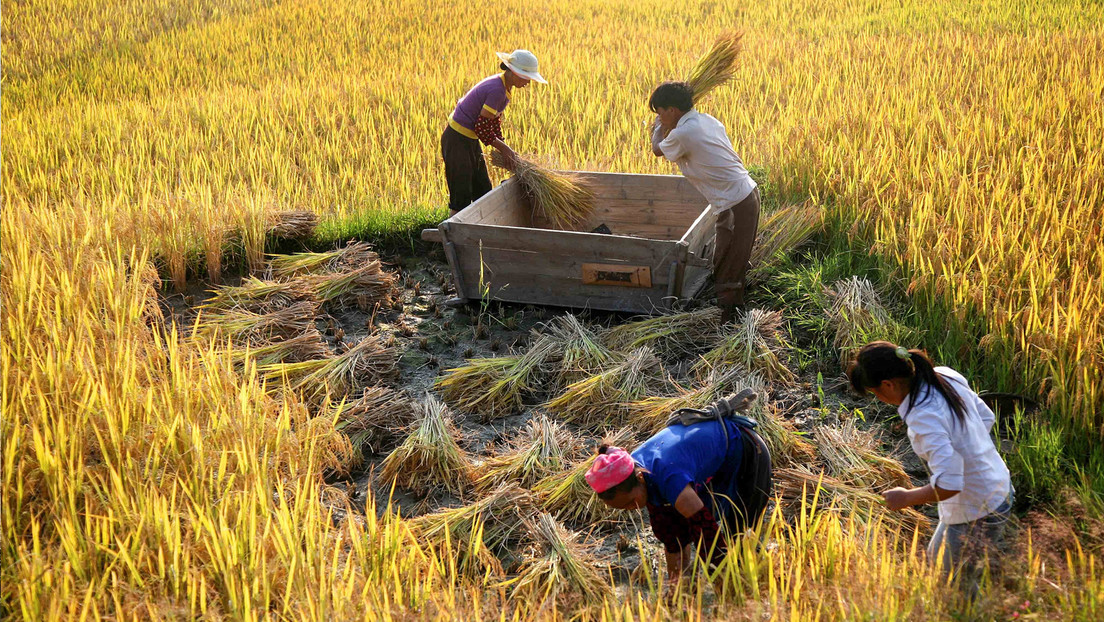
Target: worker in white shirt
{"x":698,"y":144}
{"x":948,"y":427}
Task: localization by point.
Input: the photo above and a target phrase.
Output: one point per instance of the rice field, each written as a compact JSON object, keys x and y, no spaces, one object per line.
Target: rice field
{"x":151,"y":471}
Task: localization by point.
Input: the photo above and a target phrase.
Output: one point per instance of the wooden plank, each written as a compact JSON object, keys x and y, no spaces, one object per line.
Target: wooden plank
{"x":558,"y":292}
{"x":700,"y":237}
{"x":590,"y":247}
{"x":503,"y":205}
{"x":506,"y":265}
{"x":433,"y":235}
{"x":612,"y":274}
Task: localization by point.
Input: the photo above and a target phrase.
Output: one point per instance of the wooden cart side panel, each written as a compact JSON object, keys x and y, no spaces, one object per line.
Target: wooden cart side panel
{"x":503,"y":205}
{"x":699,"y":240}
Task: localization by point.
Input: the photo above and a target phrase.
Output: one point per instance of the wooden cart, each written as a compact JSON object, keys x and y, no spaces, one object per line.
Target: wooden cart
{"x":658,"y":253}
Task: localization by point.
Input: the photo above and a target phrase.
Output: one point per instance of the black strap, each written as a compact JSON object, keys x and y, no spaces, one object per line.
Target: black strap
{"x":725,"y":408}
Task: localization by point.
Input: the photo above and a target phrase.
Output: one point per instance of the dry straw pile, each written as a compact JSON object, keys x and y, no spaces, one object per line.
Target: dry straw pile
{"x":563,"y":200}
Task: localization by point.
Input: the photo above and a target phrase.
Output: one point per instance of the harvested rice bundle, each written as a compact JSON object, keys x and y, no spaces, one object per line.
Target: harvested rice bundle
{"x":852,"y":455}
{"x":780,"y":232}
{"x":563,"y":200}
{"x":539,"y":451}
{"x":652,"y":413}
{"x":363,"y":286}
{"x":305,"y":347}
{"x":858,"y":315}
{"x":602,"y":399}
{"x":497,"y":386}
{"x":429,"y":458}
{"x":258,"y":296}
{"x":582,"y":350}
{"x":717,"y":66}
{"x":671,"y":336}
{"x":374,"y":420}
{"x":243,"y":326}
{"x":799,"y":483}
{"x":482,"y":532}
{"x":367,"y":363}
{"x":351,"y":257}
{"x":752,"y":343}
{"x":558,"y":564}
{"x":571,"y":499}
{"x":291,"y":225}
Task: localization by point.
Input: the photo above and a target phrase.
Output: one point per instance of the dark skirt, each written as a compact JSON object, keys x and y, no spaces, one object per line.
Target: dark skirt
{"x":465,"y":169}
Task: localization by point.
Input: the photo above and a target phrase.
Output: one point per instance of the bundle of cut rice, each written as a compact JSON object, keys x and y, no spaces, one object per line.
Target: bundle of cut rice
{"x":497,"y":386}
{"x":671,"y":336}
{"x":852,"y":455}
{"x":305,"y":347}
{"x":368,"y":363}
{"x":362,"y":286}
{"x":798,"y":485}
{"x":243,"y":326}
{"x":752,"y":342}
{"x":540,"y":450}
{"x":652,"y":413}
{"x":558,"y":564}
{"x":717,"y":66}
{"x":582,"y":352}
{"x":351,"y":257}
{"x":375,"y":419}
{"x":780,"y":232}
{"x":257,"y":296}
{"x":478,"y":535}
{"x":859,"y":316}
{"x":429,"y":458}
{"x":602,"y":399}
{"x":565,"y":201}
{"x":569,"y":497}
{"x":291,"y":225}
{"x":786,"y":444}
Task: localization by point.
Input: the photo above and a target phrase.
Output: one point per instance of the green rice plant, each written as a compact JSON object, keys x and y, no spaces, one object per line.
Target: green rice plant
{"x":558,"y":564}
{"x":571,"y":499}
{"x":852,"y":456}
{"x":540,"y":450}
{"x":780,"y":232}
{"x":350,"y":257}
{"x":258,"y":296}
{"x":717,"y":66}
{"x":291,"y":225}
{"x":562,"y":200}
{"x":859,"y":316}
{"x":752,"y":343}
{"x":305,"y":347}
{"x":367,"y":363}
{"x":798,"y":484}
{"x":652,"y":413}
{"x":670,"y":336}
{"x":243,"y":326}
{"x":481,"y":533}
{"x":602,"y":399}
{"x":429,"y":458}
{"x":373,"y":421}
{"x":493,"y":387}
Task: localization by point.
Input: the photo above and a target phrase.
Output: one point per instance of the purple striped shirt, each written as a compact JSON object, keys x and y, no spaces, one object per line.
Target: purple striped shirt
{"x":490,"y":95}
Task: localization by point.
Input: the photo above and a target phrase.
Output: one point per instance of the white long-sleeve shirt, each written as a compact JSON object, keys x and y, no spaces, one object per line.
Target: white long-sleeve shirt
{"x":960,"y":456}
{"x":699,"y":145}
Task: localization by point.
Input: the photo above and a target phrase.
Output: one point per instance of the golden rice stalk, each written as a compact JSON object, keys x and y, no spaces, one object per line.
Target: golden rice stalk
{"x":670,"y":336}
{"x":859,"y":316}
{"x":257,"y":295}
{"x":351,"y":257}
{"x":291,"y":225}
{"x":852,"y":456}
{"x":479,"y":533}
{"x":362,"y":286}
{"x":558,"y":565}
{"x":717,"y":66}
{"x":565,"y":201}
{"x":367,"y":363}
{"x":308,"y":346}
{"x":429,"y":457}
{"x":752,"y":343}
{"x":652,"y":413}
{"x":497,"y":386}
{"x":797,"y":483}
{"x":780,"y":232}
{"x":539,"y":451}
{"x":602,"y":399}
{"x":374,"y":420}
{"x":582,"y":350}
{"x":243,"y":326}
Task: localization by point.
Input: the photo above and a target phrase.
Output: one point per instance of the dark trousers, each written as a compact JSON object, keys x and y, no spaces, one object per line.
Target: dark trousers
{"x":465,"y":169}
{"x":736,"y":229}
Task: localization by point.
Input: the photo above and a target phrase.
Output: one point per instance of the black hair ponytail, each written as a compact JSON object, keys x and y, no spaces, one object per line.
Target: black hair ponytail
{"x":603,"y":449}
{"x":882,"y":360}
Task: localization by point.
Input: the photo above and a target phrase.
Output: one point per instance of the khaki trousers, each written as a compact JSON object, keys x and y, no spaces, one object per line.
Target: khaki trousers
{"x":736,"y":229}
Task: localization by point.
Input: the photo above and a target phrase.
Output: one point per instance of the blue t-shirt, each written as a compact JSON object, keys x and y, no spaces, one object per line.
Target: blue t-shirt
{"x":679,"y":455}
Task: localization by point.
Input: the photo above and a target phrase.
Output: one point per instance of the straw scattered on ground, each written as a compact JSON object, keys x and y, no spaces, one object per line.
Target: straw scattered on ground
{"x":672,"y":336}
{"x":854,"y":456}
{"x":557,"y":565}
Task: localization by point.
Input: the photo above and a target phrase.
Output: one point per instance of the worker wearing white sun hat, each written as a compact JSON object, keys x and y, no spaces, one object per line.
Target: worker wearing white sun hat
{"x":478,"y":118}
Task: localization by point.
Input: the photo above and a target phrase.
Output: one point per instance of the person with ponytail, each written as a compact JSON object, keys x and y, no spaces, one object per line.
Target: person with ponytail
{"x":699,"y":478}
{"x":948,"y":427}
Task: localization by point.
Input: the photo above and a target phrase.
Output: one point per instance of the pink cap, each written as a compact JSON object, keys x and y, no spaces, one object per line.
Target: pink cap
{"x":610,"y":469}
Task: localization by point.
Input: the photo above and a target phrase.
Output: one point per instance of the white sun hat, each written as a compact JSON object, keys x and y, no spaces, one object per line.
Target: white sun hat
{"x":523,"y":63}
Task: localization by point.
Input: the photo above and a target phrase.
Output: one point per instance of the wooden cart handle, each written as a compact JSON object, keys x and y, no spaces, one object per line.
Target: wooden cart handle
{"x":433,"y":235}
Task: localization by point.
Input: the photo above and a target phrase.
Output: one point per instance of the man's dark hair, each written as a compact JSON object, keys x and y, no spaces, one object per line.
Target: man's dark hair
{"x":503,"y":67}
{"x":672,"y":95}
